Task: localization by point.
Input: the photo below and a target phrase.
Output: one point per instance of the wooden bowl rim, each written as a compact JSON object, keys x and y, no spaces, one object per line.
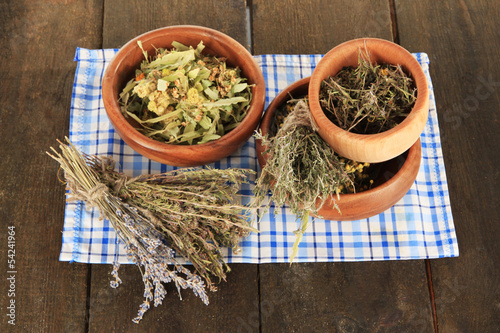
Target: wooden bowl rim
{"x":377,"y":47}
{"x":209,"y":36}
{"x":411,"y":163}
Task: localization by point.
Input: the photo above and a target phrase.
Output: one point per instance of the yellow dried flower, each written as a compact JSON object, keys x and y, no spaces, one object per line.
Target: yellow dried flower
{"x":141,"y":90}
{"x":193,"y":97}
{"x":152,"y":106}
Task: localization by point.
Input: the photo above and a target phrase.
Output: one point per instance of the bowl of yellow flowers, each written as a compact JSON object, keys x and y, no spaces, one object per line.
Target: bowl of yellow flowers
{"x":184,"y":95}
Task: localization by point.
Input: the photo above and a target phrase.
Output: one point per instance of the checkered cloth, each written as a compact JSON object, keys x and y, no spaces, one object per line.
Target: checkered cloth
{"x":419,"y":226}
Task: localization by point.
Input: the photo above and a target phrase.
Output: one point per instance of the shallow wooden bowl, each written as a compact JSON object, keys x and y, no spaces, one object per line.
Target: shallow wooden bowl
{"x":127,"y":60}
{"x":383,"y":146}
{"x":395,"y":176}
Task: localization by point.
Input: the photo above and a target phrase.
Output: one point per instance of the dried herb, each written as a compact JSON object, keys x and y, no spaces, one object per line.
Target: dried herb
{"x":187,"y":211}
{"x":361,"y":174}
{"x":300,"y":169}
{"x":368,"y":99}
{"x":181,"y":96}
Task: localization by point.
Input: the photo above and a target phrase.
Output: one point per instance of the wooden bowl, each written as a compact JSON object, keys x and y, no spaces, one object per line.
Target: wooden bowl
{"x":127,"y":60}
{"x":383,"y":146}
{"x":395,"y":176}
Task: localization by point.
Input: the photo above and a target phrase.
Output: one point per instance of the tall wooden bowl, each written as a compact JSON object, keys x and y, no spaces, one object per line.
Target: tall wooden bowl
{"x":370,"y":147}
{"x":127,"y":60}
{"x":395,"y":176}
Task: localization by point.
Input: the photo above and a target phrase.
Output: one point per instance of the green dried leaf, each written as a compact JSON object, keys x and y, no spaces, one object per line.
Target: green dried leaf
{"x":225,"y":102}
{"x":145,"y":53}
{"x":205,"y":122}
{"x":179,"y":46}
{"x":172,"y":60}
{"x":239,"y":87}
{"x":206,"y":83}
{"x":212,"y":94}
{"x":194,"y":73}
{"x":209,"y":137}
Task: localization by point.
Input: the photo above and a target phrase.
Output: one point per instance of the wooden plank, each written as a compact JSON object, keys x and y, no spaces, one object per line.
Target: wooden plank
{"x":37,"y":71}
{"x":343,"y":297}
{"x":315,"y":26}
{"x":114,"y":309}
{"x":230,"y":306}
{"x":462,"y":40}
{"x":123,"y":20}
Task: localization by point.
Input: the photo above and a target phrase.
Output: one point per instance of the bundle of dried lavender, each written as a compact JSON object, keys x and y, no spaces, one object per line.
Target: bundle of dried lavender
{"x":185,"y":211}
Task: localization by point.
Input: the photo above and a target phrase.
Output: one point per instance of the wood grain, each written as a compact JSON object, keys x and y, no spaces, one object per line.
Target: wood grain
{"x":37,"y":71}
{"x":335,"y":297}
{"x":315,"y":26}
{"x":124,"y":20}
{"x":462,"y":39}
{"x":37,"y":46}
{"x":345,"y":297}
{"x":113,"y":309}
{"x":234,"y":305}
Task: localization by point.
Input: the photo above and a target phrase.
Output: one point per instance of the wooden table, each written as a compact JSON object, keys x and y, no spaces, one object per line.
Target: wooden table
{"x":462,"y":39}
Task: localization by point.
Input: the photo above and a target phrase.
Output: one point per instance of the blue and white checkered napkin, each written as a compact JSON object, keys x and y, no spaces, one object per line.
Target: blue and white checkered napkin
{"x":419,"y":226}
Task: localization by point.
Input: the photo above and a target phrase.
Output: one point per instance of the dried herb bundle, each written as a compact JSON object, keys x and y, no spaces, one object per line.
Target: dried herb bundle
{"x":368,"y":99}
{"x":300,"y":169}
{"x":360,"y":174}
{"x":187,"y":211}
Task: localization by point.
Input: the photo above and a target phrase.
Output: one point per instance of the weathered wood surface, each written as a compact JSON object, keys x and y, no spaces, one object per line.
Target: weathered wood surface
{"x":38,"y":41}
{"x":462,"y":40}
{"x":316,"y":26}
{"x":124,"y":20}
{"x":36,"y":75}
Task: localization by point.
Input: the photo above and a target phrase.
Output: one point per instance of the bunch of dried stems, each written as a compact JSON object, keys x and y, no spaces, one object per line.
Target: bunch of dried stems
{"x":189,"y":212}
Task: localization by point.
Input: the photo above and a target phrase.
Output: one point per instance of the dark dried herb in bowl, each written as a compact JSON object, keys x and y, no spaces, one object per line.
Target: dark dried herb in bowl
{"x":301,"y":169}
{"x":368,"y":99}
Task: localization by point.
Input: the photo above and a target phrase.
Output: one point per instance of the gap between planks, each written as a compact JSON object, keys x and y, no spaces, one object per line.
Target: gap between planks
{"x":249,"y":25}
{"x":431,"y":293}
{"x":396,"y":39}
{"x":394,"y":21}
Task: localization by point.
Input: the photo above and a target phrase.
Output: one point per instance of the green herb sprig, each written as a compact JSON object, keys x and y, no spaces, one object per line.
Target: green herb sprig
{"x":301,"y":169}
